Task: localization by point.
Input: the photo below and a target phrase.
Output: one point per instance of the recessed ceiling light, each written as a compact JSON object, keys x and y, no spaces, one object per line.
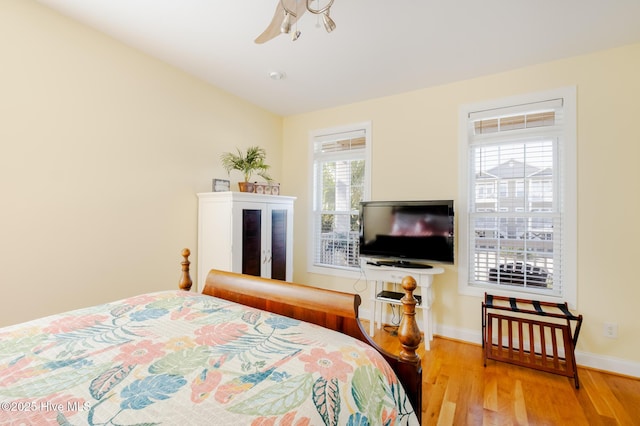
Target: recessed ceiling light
{"x":277,"y":75}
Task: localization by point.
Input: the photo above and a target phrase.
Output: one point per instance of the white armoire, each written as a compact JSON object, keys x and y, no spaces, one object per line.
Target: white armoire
{"x":246,"y":233}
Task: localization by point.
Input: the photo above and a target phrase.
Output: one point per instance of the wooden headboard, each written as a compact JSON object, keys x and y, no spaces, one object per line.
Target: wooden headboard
{"x":327,"y":308}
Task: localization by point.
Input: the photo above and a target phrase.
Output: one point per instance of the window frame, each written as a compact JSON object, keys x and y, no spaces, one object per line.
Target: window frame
{"x":567,"y":171}
{"x":343,"y":271}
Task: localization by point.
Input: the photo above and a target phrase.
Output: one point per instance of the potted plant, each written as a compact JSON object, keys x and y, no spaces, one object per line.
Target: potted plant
{"x":247,"y":163}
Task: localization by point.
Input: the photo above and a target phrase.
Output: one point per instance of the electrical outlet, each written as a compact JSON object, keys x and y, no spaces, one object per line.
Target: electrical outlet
{"x":611,"y":330}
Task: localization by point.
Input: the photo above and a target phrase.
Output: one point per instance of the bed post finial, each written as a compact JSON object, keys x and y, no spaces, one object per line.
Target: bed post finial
{"x":185,"y":279}
{"x":408,"y":331}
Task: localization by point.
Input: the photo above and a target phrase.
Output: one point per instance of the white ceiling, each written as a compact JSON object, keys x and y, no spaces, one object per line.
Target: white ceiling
{"x":379,"y":48}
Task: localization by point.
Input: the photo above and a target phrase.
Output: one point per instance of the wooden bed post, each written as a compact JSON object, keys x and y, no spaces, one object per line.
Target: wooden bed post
{"x":409,"y":366}
{"x":185,"y":279}
{"x":408,"y":331}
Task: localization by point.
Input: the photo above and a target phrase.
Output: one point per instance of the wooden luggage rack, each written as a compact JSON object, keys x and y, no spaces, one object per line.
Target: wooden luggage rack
{"x":521,"y":337}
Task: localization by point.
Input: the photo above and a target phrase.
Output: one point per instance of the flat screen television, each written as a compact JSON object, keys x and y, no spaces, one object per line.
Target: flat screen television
{"x":407,"y":233}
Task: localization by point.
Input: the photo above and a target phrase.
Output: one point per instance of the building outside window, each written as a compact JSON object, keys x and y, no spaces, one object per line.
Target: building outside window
{"x":520,"y":240}
{"x":340,"y":180}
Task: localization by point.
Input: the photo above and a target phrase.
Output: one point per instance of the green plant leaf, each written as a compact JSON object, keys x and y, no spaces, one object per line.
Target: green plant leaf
{"x":10,"y":347}
{"x":369,"y":391}
{"x":277,"y":399}
{"x":182,"y":362}
{"x":249,"y":163}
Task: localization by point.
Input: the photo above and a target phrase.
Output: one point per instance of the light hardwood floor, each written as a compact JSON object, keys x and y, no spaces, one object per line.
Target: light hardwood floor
{"x":459,"y":390}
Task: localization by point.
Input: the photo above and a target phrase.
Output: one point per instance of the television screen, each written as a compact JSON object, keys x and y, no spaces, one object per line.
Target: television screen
{"x":407,"y":230}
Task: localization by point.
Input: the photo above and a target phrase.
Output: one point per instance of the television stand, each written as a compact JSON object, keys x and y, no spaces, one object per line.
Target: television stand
{"x":400,"y":264}
{"x":395,"y":297}
{"x":380,"y":276}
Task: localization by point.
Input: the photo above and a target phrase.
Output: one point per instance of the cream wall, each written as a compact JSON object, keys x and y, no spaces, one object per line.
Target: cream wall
{"x":415,"y":147}
{"x":102,"y":150}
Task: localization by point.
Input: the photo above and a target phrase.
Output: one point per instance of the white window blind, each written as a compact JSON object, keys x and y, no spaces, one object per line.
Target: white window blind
{"x":339,"y":183}
{"x":516,"y":190}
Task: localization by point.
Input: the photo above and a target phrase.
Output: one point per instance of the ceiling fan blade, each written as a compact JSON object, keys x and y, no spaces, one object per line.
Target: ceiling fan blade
{"x":273,"y":30}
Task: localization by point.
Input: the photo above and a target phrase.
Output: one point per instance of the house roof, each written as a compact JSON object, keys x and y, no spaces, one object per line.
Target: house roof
{"x":513,"y":169}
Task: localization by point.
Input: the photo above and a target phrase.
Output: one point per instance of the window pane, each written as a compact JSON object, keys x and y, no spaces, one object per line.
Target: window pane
{"x":338,"y":193}
{"x":357,"y":184}
{"x":521,"y":172}
{"x":541,"y":119}
{"x":514,"y":122}
{"x":515,"y":251}
{"x":328,"y":186}
{"x":327,"y":223}
{"x":339,"y":242}
{"x":513,"y":227}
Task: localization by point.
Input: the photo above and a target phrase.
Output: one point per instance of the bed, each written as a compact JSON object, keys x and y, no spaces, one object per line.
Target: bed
{"x":245,"y":351}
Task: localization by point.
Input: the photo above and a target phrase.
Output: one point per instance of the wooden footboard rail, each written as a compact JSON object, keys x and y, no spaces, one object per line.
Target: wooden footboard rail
{"x":521,"y":337}
{"x":327,"y":308}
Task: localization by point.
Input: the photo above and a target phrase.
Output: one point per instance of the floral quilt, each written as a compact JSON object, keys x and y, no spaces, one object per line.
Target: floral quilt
{"x":180,"y":358}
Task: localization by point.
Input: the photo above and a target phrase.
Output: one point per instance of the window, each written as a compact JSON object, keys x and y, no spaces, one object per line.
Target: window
{"x":340,"y":182}
{"x":521,"y":241}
